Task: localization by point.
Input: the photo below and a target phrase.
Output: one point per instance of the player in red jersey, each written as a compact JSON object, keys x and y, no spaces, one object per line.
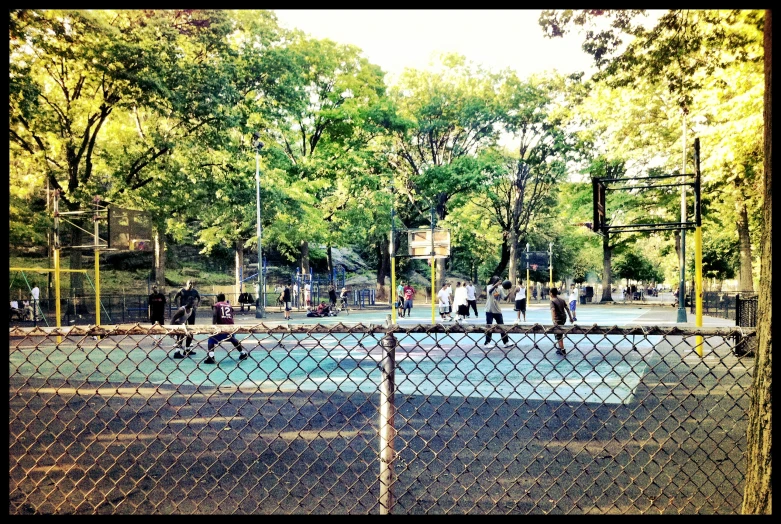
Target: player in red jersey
{"x":222,"y":313}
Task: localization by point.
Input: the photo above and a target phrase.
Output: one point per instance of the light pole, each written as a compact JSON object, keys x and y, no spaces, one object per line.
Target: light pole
{"x":257,"y":145}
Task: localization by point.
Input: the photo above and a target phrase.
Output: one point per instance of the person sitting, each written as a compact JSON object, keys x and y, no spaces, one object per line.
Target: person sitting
{"x":320,"y":311}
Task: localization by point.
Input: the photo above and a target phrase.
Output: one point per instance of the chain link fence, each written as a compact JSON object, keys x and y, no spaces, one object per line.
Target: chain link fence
{"x":357,"y":419}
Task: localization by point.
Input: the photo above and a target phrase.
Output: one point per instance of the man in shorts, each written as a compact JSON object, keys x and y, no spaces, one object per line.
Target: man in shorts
{"x":573,"y":300}
{"x":559,"y":313}
{"x":520,"y":301}
{"x":288,"y":304}
{"x":409,"y":293}
{"x":222,"y":314}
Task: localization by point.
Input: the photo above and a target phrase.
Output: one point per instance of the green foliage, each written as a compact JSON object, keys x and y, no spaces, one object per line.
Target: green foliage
{"x":635,"y":266}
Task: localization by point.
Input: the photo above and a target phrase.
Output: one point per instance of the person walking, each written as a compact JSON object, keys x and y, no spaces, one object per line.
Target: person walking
{"x":450,"y":300}
{"x":574,"y":295}
{"x":180,"y":318}
{"x":444,"y":303}
{"x":156,"y":308}
{"x":471,"y":299}
{"x":222,"y":314}
{"x":183,"y":296}
{"x":287,"y":302}
{"x":409,"y":294}
{"x":520,"y":301}
{"x":332,"y":296}
{"x":493,"y":311}
{"x":559,"y":313}
{"x":400,"y":300}
{"x":343,"y":297}
{"x":460,"y":302}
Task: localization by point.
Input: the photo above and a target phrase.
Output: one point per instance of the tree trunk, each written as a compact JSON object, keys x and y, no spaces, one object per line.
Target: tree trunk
{"x":607,"y":271}
{"x":304,"y":258}
{"x":758,"y":487}
{"x":330,"y":263}
{"x":160,"y":258}
{"x":383,"y":269}
{"x":746,"y":273}
{"x":513,"y":262}
{"x":504,"y":260}
{"x":239,"y":267}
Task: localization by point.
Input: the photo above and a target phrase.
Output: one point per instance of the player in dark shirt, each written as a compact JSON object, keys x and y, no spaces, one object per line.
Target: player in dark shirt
{"x":156,"y":306}
{"x":179,"y":318}
{"x":222,"y":314}
{"x":184,"y":294}
{"x":559,"y":311}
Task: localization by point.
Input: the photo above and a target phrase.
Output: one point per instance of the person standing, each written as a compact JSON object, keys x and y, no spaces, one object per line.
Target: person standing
{"x":308,"y":296}
{"x":183,"y":296}
{"x":471,"y":299}
{"x":520,"y":301}
{"x":332,"y":296}
{"x":409,"y":294}
{"x":35,"y":295}
{"x":450,"y":300}
{"x":493,"y":311}
{"x":343,"y":297}
{"x":222,"y":314}
{"x":574,"y":295}
{"x":460,"y":302}
{"x":286,"y":300}
{"x":444,"y":303}
{"x":180,"y":318}
{"x":559,"y":313}
{"x":400,"y":299}
{"x":156,"y":308}
{"x":295,"y":295}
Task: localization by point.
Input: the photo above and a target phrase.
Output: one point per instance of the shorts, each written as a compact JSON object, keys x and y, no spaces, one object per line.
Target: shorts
{"x":408,"y":304}
{"x":559,"y":336}
{"x":463,"y":310}
{"x":572,"y":305}
{"x":520,"y":305}
{"x":288,"y":306}
{"x":444,"y":310}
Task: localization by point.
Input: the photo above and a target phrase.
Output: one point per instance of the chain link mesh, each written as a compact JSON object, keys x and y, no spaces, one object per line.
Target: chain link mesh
{"x":373,"y":419}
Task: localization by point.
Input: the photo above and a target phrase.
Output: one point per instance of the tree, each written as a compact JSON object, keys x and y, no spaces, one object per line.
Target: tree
{"x":667,"y":50}
{"x":758,"y":492}
{"x":449,"y":116}
{"x":72,"y":71}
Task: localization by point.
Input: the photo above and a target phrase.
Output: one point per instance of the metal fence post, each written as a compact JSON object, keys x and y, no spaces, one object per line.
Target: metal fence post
{"x":387,"y":428}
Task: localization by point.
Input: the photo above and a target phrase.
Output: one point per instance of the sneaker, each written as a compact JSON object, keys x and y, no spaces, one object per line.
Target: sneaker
{"x":508,"y":344}
{"x":516,"y":322}
{"x":243,"y":356}
{"x":574,"y":319}
{"x":178,"y":355}
{"x":209,"y":360}
{"x":450,"y":318}
{"x":189,"y":353}
{"x":561,"y":352}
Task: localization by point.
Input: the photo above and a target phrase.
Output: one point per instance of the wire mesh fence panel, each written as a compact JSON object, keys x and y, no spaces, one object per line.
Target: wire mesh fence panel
{"x":630,"y":420}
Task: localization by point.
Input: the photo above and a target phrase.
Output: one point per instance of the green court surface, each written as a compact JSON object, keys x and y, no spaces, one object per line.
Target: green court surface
{"x":597,"y":368}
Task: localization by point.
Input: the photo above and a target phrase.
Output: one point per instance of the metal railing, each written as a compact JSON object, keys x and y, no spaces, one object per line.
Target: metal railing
{"x":377,"y":419}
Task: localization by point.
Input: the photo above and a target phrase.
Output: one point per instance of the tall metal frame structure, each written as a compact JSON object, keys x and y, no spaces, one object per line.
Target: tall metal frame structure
{"x":600,"y":187}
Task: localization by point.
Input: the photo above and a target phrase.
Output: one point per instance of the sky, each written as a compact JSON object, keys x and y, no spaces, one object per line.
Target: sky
{"x":493,"y":38}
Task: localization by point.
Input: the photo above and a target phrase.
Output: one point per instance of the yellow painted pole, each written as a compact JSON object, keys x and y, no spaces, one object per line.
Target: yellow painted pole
{"x":698,"y":285}
{"x":97,"y":287}
{"x":433,"y":290}
{"x":393,"y":288}
{"x":57,"y":290}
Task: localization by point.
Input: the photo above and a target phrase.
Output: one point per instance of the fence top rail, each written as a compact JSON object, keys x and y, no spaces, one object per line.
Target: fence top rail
{"x":146,"y":329}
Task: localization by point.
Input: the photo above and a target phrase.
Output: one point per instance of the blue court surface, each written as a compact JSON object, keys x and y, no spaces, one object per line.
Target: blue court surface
{"x":600,"y":368}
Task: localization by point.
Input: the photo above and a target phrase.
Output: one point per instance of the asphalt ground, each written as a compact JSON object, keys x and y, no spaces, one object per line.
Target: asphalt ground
{"x":513,"y":432}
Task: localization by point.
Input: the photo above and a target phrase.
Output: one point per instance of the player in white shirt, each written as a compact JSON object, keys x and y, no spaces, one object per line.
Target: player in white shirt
{"x":574,"y":294}
{"x":444,"y":303}
{"x":520,"y":301}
